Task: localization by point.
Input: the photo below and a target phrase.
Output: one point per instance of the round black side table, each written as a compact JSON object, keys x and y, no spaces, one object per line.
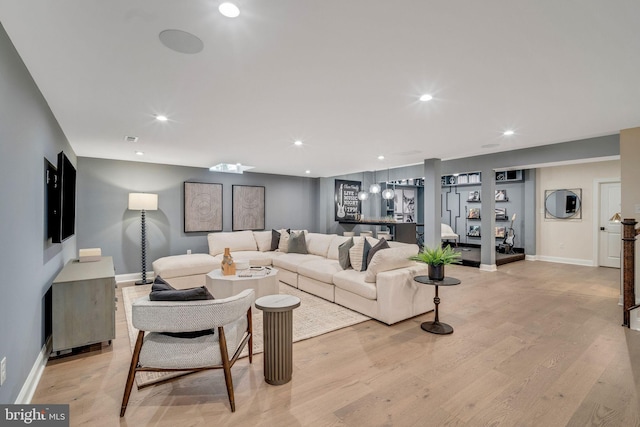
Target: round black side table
{"x":436,"y":327}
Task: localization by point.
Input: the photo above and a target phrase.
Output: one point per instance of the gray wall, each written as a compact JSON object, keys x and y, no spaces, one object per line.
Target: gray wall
{"x":103,"y":220}
{"x":524,"y":204}
{"x":28,"y":134}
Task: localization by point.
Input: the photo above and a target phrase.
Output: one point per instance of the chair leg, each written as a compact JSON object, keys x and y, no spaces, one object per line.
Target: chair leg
{"x":250,"y":330}
{"x":227,"y":368}
{"x":132,"y":372}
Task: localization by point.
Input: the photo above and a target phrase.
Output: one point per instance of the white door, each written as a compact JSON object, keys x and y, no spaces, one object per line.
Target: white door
{"x":610,"y":231}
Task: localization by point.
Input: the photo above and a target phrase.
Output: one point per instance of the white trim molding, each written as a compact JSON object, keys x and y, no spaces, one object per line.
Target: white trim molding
{"x":531,"y":257}
{"x":596,"y":216}
{"x":488,"y":267}
{"x":132,"y":277}
{"x":574,"y":261}
{"x":31,"y":383}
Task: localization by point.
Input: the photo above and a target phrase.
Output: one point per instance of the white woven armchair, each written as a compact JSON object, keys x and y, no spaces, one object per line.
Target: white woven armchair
{"x":155,"y":350}
{"x":447,"y":233}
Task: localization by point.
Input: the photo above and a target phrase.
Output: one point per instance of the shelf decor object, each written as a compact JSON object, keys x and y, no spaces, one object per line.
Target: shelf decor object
{"x":202,"y":207}
{"x":143,"y":202}
{"x":247,"y":207}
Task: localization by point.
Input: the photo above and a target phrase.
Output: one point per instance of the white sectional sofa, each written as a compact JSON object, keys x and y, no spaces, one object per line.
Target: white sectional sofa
{"x":386,"y":291}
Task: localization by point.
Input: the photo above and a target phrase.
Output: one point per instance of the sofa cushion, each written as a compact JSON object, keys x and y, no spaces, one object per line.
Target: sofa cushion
{"x":366,"y":247}
{"x":184,"y":265}
{"x":343,"y":254}
{"x":332,"y":253}
{"x":353,"y":281}
{"x":234,"y":240}
{"x":275,"y":239}
{"x":390,"y":259}
{"x":382,"y":244}
{"x":163,"y":291}
{"x":263,"y":240}
{"x":283,"y":244}
{"x":291,"y":262}
{"x":320,"y":269}
{"x":297,"y":243}
{"x":318,"y":244}
{"x":355,"y":253}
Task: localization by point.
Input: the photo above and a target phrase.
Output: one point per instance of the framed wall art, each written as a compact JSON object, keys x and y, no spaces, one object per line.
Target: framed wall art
{"x":202,"y":207}
{"x":347,"y":205}
{"x":248,"y":207}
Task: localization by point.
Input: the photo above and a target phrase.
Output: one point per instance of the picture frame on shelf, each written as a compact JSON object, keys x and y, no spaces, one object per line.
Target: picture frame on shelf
{"x":474,"y":231}
{"x":500,"y":232}
{"x":501,"y":196}
{"x":474,"y":213}
{"x":501,"y":214}
{"x":474,"y":196}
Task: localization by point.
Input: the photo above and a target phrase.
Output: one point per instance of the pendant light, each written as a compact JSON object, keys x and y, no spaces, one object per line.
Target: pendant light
{"x":388,"y":193}
{"x":375,"y":187}
{"x":363,"y":195}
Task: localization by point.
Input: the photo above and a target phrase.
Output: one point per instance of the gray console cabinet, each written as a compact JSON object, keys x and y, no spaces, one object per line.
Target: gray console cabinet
{"x":83,"y":304}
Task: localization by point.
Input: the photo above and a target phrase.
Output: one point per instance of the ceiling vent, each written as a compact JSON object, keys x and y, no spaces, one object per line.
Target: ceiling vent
{"x":131,"y":138}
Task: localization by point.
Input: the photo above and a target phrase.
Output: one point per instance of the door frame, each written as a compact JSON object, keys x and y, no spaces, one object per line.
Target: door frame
{"x":596,"y":217}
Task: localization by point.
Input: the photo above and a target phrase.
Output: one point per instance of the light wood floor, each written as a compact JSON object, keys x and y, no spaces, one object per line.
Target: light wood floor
{"x":535,"y":344}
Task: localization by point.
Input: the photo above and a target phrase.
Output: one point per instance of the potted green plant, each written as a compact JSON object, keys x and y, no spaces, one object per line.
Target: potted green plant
{"x":436,"y":259}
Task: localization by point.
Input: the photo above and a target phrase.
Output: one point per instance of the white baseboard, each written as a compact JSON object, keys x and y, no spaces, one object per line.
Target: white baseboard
{"x":132,"y":277}
{"x":31,"y":383}
{"x":488,"y":267}
{"x":583,"y":262}
{"x":531,"y":257}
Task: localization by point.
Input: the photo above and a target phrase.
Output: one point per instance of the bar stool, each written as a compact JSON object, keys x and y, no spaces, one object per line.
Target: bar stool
{"x":366,"y":233}
{"x":387,"y":236}
{"x":348,"y":234}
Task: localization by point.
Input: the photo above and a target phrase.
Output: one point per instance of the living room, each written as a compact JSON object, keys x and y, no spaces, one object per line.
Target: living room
{"x":30,"y":133}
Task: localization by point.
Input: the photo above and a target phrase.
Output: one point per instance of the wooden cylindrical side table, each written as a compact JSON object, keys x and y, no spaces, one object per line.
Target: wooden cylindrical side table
{"x":277,"y":327}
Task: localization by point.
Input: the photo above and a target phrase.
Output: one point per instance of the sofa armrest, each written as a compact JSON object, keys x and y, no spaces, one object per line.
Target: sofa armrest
{"x":390,"y":259}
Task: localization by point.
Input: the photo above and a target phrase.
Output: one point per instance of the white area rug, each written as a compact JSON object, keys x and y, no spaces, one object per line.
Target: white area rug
{"x":314,"y":317}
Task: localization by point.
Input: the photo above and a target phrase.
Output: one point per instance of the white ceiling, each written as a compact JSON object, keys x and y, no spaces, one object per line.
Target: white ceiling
{"x":342,"y":76}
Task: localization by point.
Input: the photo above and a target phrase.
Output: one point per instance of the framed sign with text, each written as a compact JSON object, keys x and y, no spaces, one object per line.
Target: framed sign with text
{"x":347,"y":204}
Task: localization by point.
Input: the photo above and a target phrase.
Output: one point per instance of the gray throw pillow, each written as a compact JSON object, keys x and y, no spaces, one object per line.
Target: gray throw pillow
{"x":343,"y":254}
{"x":382,"y":244}
{"x":297,"y":243}
{"x":365,"y":254}
{"x":163,"y":291}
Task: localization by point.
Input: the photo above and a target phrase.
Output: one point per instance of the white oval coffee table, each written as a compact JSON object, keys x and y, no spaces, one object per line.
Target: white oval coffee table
{"x":222,"y":286}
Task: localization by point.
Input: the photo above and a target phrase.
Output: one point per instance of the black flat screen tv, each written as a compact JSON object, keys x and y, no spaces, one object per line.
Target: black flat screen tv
{"x":61,"y":200}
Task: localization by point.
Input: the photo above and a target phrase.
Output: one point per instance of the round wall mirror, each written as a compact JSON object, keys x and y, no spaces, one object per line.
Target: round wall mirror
{"x":563,"y":204}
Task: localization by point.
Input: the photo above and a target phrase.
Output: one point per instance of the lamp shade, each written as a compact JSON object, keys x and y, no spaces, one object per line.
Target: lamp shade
{"x":143,"y":202}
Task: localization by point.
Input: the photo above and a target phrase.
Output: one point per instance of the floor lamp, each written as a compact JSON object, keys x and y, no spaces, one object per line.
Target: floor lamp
{"x":143,"y":202}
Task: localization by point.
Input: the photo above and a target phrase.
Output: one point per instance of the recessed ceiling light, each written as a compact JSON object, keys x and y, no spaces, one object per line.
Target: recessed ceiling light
{"x":161,"y":118}
{"x":381,"y":157}
{"x":229,"y":10}
{"x":139,"y":153}
{"x":297,"y":143}
{"x":426,"y":97}
{"x":508,"y":132}
{"x":307,"y":171}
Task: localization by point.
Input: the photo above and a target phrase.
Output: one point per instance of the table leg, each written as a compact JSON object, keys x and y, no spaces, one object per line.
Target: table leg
{"x":436,"y":327}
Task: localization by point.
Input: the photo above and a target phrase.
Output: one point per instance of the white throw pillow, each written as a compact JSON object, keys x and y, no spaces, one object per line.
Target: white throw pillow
{"x":355,"y":254}
{"x":283,"y":246}
{"x":318,"y":244}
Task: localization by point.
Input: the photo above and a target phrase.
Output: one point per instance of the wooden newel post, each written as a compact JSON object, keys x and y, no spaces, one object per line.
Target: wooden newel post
{"x":628,"y":267}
